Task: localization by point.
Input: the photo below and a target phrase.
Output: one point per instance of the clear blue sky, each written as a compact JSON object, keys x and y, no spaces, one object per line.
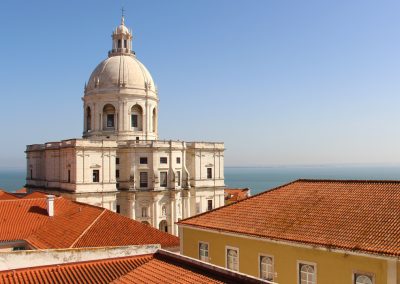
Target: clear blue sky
{"x":280,"y":82}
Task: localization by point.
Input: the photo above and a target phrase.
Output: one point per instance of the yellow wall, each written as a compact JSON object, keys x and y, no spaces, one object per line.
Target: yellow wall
{"x":331,"y":267}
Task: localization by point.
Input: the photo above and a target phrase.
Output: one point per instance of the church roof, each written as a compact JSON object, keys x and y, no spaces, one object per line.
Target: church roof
{"x":73,"y":225}
{"x":344,"y":214}
{"x":160,"y":267}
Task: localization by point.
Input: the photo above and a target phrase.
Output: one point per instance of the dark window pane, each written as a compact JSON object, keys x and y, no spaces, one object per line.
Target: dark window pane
{"x":134,"y":120}
{"x":96,"y":175}
{"x":143,"y":179}
{"x":143,"y":160}
{"x":163,"y":179}
{"x":110,"y":120}
{"x":163,"y":160}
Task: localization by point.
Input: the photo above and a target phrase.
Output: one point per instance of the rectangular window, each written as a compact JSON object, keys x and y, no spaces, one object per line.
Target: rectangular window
{"x":232,"y":258}
{"x":110,"y":120}
{"x":163,"y":179}
{"x":143,"y":179}
{"x":163,"y":160}
{"x":143,"y":160}
{"x":307,"y":273}
{"x":117,"y":161}
{"x":363,"y":278}
{"x":209,"y":173}
{"x":209,"y":205}
{"x":134,"y":120}
{"x":124,"y":43}
{"x":69,"y":176}
{"x":198,"y":209}
{"x":203,"y":251}
{"x":31,"y":174}
{"x":118,"y":208}
{"x":266,"y":264}
{"x":178,"y":177}
{"x":178,"y":160}
{"x":144,"y":212}
{"x":96,"y":175}
{"x":119,"y":44}
{"x":117,"y":173}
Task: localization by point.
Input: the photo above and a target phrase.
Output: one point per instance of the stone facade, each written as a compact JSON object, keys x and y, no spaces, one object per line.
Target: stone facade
{"x":120,"y":164}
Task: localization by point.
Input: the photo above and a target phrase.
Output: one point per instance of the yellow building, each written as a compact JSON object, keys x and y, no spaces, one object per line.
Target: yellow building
{"x":306,"y":232}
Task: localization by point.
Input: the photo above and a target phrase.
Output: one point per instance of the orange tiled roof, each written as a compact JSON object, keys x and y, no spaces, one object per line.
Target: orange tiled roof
{"x":22,"y":190}
{"x":73,"y":225}
{"x":6,"y":195}
{"x":100,"y":271}
{"x":160,"y":267}
{"x":235,"y":194}
{"x":351,"y":215}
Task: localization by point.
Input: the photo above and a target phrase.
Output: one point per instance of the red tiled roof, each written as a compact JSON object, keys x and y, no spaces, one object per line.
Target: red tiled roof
{"x":100,"y":271}
{"x":160,"y":267}
{"x":350,"y":215}
{"x":73,"y":225}
{"x":6,"y":195}
{"x":235,"y":194}
{"x":22,"y":190}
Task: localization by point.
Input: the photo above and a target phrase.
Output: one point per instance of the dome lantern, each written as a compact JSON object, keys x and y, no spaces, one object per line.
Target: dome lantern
{"x":121,"y":40}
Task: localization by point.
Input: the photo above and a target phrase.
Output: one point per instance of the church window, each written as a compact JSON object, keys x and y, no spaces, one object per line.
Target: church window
{"x":136,"y":117}
{"x":232,"y":259}
{"x":117,"y":161}
{"x":117,"y":173}
{"x":163,"y":179}
{"x":96,"y":175}
{"x":144,"y":212}
{"x":178,"y":178}
{"x":163,"y":160}
{"x":360,"y":278}
{"x":178,"y":160}
{"x":209,"y":205}
{"x":31,"y":174}
{"x":143,"y":160}
{"x":154,"y":120}
{"x":164,"y":210}
{"x":69,"y":176}
{"x":124,"y":43}
{"x":266,"y":267}
{"x":143,"y":176}
{"x":203,"y":251}
{"x":209,"y":173}
{"x":88,"y":119}
{"x":198,"y":209}
{"x":119,"y":43}
{"x":118,"y":209}
{"x":134,"y":120}
{"x":110,"y":120}
{"x":306,"y":274}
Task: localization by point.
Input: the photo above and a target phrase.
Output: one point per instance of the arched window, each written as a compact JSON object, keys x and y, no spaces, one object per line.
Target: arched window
{"x":109,"y":117}
{"x":266,"y":268}
{"x":88,"y":119}
{"x":164,"y":210}
{"x":154,"y":122}
{"x":363,"y":279}
{"x":307,"y":274}
{"x":137,"y":118}
{"x":163,"y":226}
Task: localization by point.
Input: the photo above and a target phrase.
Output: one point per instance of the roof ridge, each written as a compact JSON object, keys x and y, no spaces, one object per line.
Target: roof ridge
{"x":87,"y":229}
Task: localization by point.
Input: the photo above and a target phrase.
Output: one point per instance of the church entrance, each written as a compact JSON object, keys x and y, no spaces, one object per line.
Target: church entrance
{"x":163,"y":226}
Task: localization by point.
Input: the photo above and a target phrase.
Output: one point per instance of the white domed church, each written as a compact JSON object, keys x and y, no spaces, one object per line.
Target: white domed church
{"x":120,"y":163}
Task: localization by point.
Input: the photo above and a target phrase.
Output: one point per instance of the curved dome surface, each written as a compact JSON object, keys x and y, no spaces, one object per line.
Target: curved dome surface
{"x":121,"y":71}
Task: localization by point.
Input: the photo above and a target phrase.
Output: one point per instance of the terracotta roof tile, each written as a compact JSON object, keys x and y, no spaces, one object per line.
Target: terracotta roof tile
{"x":161,"y":267}
{"x":7,"y":196}
{"x":101,"y":271}
{"x":73,"y":225}
{"x":236,"y":194}
{"x":351,"y":215}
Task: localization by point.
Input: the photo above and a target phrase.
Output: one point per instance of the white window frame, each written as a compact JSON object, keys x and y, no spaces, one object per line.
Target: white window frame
{"x":359,"y":272}
{"x":309,"y":263}
{"x":226,"y":257}
{"x":208,"y":250}
{"x":259,"y":265}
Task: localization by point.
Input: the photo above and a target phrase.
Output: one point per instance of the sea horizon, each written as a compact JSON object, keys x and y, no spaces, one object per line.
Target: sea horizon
{"x":261,"y":178}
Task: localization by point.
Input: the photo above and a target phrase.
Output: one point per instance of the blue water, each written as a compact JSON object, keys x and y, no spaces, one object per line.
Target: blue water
{"x":260,"y":179}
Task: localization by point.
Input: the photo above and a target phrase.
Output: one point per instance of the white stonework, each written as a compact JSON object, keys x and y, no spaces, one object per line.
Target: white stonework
{"x":119,"y":163}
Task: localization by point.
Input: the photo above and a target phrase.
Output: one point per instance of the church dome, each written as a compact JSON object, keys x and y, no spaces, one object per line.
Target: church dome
{"x":121,"y":71}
